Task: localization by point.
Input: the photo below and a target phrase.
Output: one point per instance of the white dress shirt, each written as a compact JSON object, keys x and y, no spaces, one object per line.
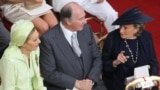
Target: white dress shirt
{"x":67,"y":33}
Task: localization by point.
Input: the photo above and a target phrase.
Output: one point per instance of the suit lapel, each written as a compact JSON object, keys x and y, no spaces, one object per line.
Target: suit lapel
{"x":67,"y":51}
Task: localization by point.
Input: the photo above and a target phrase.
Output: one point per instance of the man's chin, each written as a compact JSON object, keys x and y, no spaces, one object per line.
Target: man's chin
{"x":122,"y":37}
{"x":80,"y":29}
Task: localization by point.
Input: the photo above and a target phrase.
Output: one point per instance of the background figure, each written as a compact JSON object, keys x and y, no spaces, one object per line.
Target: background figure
{"x":4,"y":38}
{"x":128,"y":47}
{"x":99,"y":8}
{"x":35,"y":10}
{"x":20,"y":62}
{"x":69,"y":65}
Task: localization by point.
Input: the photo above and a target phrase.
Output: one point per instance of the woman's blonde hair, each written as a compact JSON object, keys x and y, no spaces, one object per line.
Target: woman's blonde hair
{"x":141,"y":27}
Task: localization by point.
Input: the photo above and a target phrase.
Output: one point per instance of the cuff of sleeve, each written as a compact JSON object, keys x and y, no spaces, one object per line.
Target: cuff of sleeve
{"x":94,"y":84}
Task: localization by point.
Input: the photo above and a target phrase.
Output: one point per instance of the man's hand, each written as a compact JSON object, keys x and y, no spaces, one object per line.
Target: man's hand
{"x":84,"y":84}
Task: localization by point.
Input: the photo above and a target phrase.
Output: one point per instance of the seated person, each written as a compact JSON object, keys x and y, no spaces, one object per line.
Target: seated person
{"x":128,"y":47}
{"x":42,"y":17}
{"x":67,"y":62}
{"x":99,"y":8}
{"x":20,"y":62}
{"x":4,"y":37}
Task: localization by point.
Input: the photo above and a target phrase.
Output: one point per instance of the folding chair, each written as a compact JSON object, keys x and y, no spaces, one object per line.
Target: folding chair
{"x":99,"y":22}
{"x":132,"y":85}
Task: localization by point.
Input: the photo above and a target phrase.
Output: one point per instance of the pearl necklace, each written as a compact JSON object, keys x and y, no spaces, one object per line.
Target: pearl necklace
{"x":127,"y":45}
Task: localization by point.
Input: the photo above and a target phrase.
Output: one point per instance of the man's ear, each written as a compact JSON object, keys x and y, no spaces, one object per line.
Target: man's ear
{"x":68,"y":21}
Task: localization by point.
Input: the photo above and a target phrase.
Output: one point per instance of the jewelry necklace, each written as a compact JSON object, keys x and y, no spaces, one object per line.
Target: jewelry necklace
{"x":133,"y":59}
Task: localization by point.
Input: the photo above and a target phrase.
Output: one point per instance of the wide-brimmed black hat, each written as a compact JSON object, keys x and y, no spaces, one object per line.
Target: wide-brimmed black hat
{"x":132,"y":16}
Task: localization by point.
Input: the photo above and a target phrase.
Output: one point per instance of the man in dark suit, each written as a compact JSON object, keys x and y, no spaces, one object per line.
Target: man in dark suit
{"x":61,"y":66}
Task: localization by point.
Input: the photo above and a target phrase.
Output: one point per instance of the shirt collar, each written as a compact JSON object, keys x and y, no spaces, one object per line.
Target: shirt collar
{"x":67,"y":32}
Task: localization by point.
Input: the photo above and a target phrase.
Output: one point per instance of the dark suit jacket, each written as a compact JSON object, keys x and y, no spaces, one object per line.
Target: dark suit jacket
{"x":60,"y":66}
{"x":4,"y":38}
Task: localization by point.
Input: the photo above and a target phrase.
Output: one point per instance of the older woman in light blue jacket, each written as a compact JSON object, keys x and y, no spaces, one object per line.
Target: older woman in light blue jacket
{"x":20,"y":61}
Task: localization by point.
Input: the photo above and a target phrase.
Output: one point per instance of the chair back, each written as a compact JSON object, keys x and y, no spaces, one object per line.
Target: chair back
{"x":100,"y":23}
{"x":132,"y":85}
